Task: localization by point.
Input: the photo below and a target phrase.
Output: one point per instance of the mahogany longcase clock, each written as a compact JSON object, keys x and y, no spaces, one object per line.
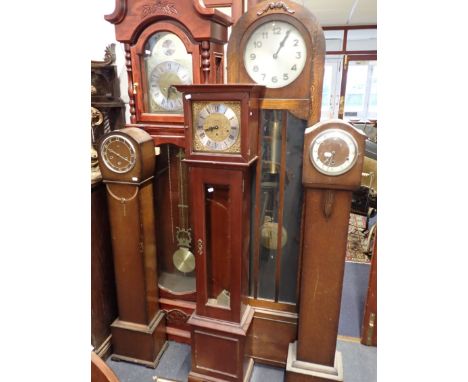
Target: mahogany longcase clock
{"x":222,"y":145}
{"x":169,"y":43}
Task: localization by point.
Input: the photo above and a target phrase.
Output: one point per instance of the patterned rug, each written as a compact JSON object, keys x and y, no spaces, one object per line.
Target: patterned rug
{"x":358,"y":238}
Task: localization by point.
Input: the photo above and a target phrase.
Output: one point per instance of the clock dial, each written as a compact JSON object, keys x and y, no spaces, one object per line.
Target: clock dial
{"x":333,"y":152}
{"x":118,"y":154}
{"x":217,"y":127}
{"x":275,"y":54}
{"x":167,"y":63}
{"x":162,"y":80}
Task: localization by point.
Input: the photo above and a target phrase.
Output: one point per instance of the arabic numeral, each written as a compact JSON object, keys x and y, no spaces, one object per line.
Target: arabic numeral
{"x":257,"y":44}
{"x":263,"y":76}
{"x":274,"y":79}
{"x":276,"y":29}
{"x":294,"y":67}
{"x":255,"y":68}
{"x":285,"y":76}
{"x":298,"y":54}
{"x":253,"y":56}
{"x":296,"y":42}
{"x":265,"y":35}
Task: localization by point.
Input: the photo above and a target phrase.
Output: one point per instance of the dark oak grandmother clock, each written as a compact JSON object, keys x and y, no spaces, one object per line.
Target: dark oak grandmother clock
{"x":222,"y":141}
{"x":278,"y":44}
{"x":332,"y":167}
{"x":168,"y":43}
{"x":126,"y":160}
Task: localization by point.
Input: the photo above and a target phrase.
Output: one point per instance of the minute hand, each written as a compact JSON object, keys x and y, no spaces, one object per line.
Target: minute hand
{"x":275,"y":55}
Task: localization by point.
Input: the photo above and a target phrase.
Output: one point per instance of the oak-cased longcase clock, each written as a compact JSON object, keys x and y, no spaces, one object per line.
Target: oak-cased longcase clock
{"x":278,"y":44}
{"x":126,"y":160}
{"x":222,"y":141}
{"x":169,"y":43}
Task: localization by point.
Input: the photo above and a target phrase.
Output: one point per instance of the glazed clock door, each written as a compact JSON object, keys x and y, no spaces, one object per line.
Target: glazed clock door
{"x":163,"y":59}
{"x":217,"y":201}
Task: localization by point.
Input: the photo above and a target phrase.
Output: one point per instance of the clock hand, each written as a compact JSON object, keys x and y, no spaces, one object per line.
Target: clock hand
{"x":275,"y":55}
{"x":120,"y":156}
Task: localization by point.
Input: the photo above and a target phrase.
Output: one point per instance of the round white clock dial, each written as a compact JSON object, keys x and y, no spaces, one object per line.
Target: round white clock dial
{"x":333,"y":152}
{"x":162,"y":79}
{"x":217,"y":127}
{"x":275,"y":54}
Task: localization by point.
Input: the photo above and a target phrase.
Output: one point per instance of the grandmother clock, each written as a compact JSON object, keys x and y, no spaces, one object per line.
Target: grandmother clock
{"x":278,"y":44}
{"x":332,"y":167}
{"x":169,"y":43}
{"x":222,"y":122}
{"x":126,"y":160}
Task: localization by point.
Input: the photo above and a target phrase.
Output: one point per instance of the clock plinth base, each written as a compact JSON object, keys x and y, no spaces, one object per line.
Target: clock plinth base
{"x":218,"y":349}
{"x":301,"y":371}
{"x":137,"y":343}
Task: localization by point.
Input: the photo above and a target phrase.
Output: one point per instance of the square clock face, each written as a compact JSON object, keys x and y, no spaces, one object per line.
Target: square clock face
{"x":216,"y":126}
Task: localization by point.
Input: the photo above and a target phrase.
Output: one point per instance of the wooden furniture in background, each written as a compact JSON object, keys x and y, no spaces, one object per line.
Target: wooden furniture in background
{"x":105,"y":96}
{"x":369,"y":322}
{"x":107,"y":115}
{"x":153,"y":33}
{"x":313,"y":356}
{"x":277,"y":193}
{"x":222,"y":141}
{"x":236,"y":6}
{"x":126,"y":159}
{"x":103,"y":298}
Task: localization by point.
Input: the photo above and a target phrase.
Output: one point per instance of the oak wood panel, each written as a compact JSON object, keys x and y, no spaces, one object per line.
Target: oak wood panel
{"x":321,"y":268}
{"x":103,"y":298}
{"x":269,"y":336}
{"x":369,"y":322}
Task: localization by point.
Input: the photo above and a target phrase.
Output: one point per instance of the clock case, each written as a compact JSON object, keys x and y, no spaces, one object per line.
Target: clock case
{"x":222,"y":236}
{"x":138,"y":333}
{"x":302,"y":97}
{"x":248,"y":96}
{"x":312,"y":357}
{"x":298,"y":105}
{"x":204,"y":32}
{"x":144,"y":151}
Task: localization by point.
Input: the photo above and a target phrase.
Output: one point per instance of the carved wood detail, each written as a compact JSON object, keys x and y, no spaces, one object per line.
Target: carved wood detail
{"x":328,"y":202}
{"x":205,"y":46}
{"x":159,"y":6}
{"x":131,"y":90}
{"x":275,"y":5}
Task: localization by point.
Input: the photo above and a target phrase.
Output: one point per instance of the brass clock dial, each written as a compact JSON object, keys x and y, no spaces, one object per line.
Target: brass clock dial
{"x":333,"y":152}
{"x":118,"y":153}
{"x":275,"y":54}
{"x":217,"y":126}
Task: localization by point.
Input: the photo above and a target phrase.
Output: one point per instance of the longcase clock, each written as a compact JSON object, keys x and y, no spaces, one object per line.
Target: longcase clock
{"x":222,"y":146}
{"x":169,"y":43}
{"x":278,"y":44}
{"x":332,"y":167}
{"x":126,"y":160}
